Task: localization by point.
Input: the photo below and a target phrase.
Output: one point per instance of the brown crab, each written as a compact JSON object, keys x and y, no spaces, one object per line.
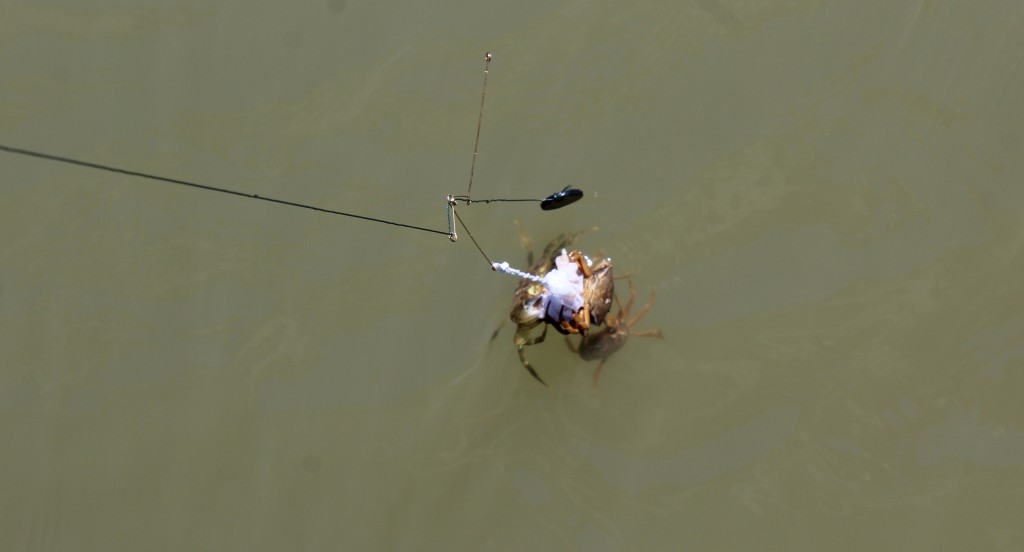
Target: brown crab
{"x":603,"y":344}
{"x":527,"y":310}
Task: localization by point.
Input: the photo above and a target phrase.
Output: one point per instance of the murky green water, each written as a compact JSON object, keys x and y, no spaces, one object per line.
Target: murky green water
{"x":827,"y":197}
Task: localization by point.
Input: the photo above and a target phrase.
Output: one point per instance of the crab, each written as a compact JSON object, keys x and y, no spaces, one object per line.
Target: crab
{"x":532,"y":299}
{"x":603,"y":344}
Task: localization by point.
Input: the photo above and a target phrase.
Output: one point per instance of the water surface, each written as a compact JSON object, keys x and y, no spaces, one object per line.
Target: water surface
{"x":826,"y":197}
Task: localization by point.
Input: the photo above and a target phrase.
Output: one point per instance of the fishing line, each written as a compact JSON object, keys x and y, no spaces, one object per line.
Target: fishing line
{"x":557,"y":200}
{"x":91,"y":165}
{"x":479,"y":121}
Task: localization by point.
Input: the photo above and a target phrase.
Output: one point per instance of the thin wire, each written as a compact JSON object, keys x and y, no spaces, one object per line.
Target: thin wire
{"x":479,"y":121}
{"x":470,"y":234}
{"x":470,"y":201}
{"x":90,"y":165}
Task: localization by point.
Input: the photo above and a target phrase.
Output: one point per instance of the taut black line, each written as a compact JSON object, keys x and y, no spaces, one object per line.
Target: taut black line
{"x":91,"y":165}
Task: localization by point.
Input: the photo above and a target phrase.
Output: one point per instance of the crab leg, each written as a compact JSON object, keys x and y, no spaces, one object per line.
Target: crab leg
{"x":648,"y":333}
{"x":597,"y":372}
{"x":526,"y":242}
{"x":522,"y":342}
{"x":529,"y":367}
{"x":643,"y":311}
{"x":584,"y":269}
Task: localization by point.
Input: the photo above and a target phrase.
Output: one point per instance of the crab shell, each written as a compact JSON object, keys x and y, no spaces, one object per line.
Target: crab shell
{"x":598,"y":290}
{"x":527,"y":311}
{"x":527,"y":308}
{"x":603,"y":344}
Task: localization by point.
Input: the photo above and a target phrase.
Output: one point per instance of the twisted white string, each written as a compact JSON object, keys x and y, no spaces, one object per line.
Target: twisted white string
{"x":504,"y":267}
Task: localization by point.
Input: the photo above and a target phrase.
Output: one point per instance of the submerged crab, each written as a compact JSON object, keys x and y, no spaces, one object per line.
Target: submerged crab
{"x":576,"y":294}
{"x":601,"y":345}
